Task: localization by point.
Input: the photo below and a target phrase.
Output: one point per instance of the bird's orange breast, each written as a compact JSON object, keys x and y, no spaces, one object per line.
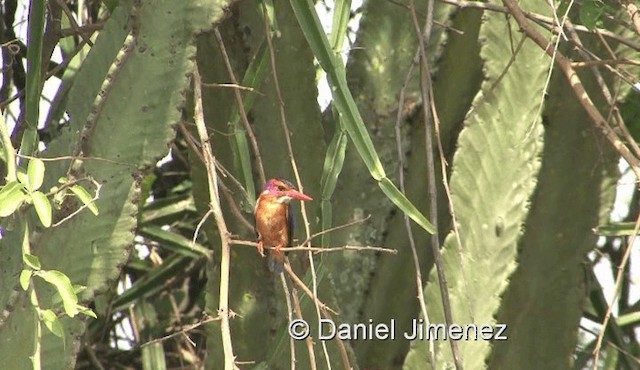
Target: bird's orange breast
{"x":271,"y":223}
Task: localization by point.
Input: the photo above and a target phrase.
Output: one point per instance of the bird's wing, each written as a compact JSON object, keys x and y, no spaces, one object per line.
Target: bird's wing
{"x":290,"y":225}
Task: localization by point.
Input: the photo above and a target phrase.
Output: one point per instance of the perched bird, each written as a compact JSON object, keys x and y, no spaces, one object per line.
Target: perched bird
{"x":274,"y":219}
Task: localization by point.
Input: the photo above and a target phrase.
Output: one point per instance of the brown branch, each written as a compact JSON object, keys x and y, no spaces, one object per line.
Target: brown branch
{"x":233,"y":86}
{"x":619,"y":277}
{"x":239,"y":102}
{"x":590,"y":63}
{"x":297,"y":281}
{"x":73,"y":23}
{"x":287,"y":135}
{"x":324,"y":312}
{"x":212,"y":177}
{"x":183,"y":330}
{"x":407,"y":223}
{"x":318,"y":249}
{"x":425,"y":78}
{"x":540,"y":19}
{"x":308,"y":341}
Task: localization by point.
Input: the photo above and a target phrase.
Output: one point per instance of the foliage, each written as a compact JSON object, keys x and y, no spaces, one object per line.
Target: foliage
{"x":106,"y":234}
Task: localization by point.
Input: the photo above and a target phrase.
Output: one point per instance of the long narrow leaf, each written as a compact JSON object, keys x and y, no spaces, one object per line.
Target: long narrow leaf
{"x":348,"y":112}
{"x":341,"y":15}
{"x":253,"y":77}
{"x":35,"y":34}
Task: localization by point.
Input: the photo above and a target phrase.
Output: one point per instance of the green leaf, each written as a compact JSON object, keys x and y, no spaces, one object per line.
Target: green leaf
{"x":35,"y":174}
{"x":23,"y":178}
{"x":591,"y":13}
{"x":341,"y":16}
{"x":170,"y":240}
{"x":87,"y":311}
{"x":631,"y":318}
{"x":31,"y":261}
{"x":35,"y":37}
{"x":342,"y":98}
{"x":333,"y":163}
{"x":85,"y":198}
{"x":11,"y":197}
{"x":405,"y":205}
{"x":52,"y":323}
{"x":616,"y":229}
{"x":43,"y":207}
{"x":25,"y":278}
{"x":494,"y":174}
{"x":64,"y":288}
{"x":253,"y":77}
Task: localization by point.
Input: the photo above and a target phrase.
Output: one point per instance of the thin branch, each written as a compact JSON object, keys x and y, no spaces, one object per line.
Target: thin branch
{"x":233,"y":86}
{"x":609,"y":62}
{"x":318,"y":249}
{"x":214,"y":197}
{"x":324,"y":311}
{"x":540,"y":19}
{"x":87,"y":205}
{"x":196,"y":232}
{"x":407,"y":224}
{"x":583,"y":97}
{"x":616,"y":290}
{"x":294,"y":166}
{"x":184,"y":330}
{"x":423,"y":39}
{"x":73,"y":23}
{"x":241,"y":111}
{"x":300,"y":284}
{"x":308,"y":341}
{"x":332,"y":229}
{"x":287,"y":296}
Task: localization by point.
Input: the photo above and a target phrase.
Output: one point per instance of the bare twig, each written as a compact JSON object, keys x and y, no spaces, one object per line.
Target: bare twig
{"x":407,"y":224}
{"x":233,"y":86}
{"x":184,"y":330}
{"x":287,"y":296}
{"x":324,"y":311}
{"x":73,"y":23}
{"x":540,"y":19}
{"x":308,"y":341}
{"x":423,"y":39}
{"x":241,"y":111}
{"x":332,"y":229}
{"x":318,"y":249}
{"x":300,"y":284}
{"x":615,"y":291}
{"x":86,"y":205}
{"x":583,"y":97}
{"x":214,"y":196}
{"x":287,"y":136}
{"x":590,"y":63}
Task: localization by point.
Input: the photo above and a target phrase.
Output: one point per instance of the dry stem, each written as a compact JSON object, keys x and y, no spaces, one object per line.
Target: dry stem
{"x":214,"y":197}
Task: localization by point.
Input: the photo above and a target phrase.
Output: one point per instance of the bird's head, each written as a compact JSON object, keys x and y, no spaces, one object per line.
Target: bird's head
{"x":282,"y":191}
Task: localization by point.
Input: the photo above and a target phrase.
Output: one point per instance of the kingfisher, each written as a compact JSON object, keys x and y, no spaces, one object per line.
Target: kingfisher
{"x":274,"y":219}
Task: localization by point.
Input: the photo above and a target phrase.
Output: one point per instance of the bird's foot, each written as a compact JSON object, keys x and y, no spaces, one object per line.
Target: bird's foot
{"x":260,"y":248}
{"x":277,"y":249}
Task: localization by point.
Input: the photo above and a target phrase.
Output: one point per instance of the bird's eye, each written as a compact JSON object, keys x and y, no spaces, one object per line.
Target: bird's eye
{"x":281,"y":188}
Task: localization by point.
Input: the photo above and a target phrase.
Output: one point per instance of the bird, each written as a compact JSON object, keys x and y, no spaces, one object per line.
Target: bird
{"x":274,"y":220}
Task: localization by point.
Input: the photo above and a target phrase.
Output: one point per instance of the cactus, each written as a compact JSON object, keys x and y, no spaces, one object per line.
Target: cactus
{"x":131,"y":132}
{"x":528,"y":178}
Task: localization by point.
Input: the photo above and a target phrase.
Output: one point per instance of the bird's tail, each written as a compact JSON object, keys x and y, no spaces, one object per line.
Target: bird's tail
{"x":275,"y":262}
